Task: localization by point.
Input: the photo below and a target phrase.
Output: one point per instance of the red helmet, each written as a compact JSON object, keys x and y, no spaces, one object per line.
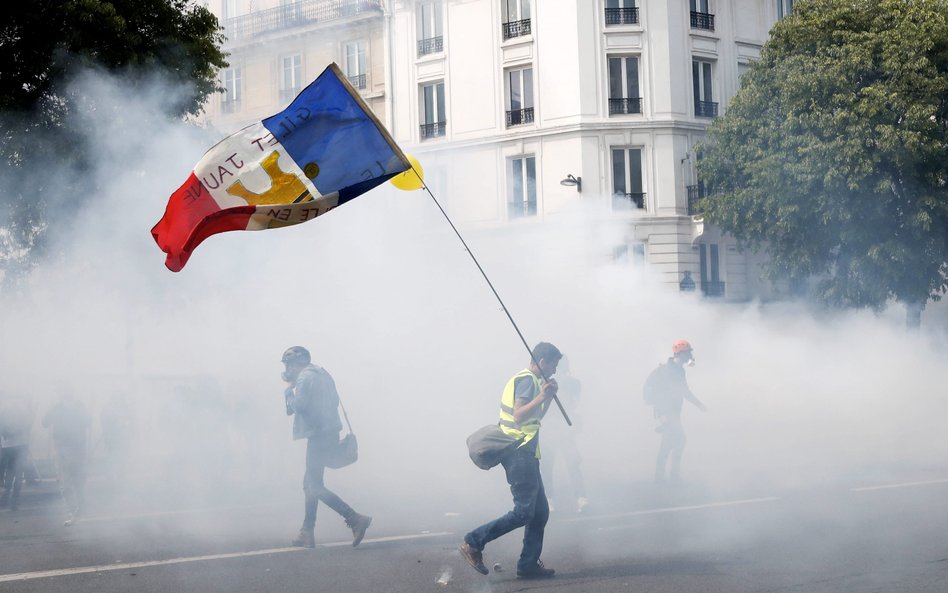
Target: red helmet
{"x":680,"y":346}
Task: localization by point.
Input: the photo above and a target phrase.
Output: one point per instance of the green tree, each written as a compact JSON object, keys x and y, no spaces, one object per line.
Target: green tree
{"x":44,"y":45}
{"x":833,"y":155}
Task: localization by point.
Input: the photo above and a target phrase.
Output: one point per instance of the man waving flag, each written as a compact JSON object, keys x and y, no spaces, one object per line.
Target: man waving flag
{"x":320,"y":152}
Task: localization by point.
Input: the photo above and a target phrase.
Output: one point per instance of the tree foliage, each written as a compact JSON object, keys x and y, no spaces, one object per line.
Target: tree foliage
{"x":44,"y":45}
{"x":833,"y":155}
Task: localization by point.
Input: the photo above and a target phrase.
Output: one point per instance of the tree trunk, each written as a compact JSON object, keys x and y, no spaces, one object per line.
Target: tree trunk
{"x":913,"y":315}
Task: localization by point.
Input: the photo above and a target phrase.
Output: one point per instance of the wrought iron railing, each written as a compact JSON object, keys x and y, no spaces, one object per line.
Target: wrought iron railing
{"x":696,"y":195}
{"x":702,"y":20}
{"x":627,"y":105}
{"x":432,"y":45}
{"x":433,"y":130}
{"x":358,"y":81}
{"x":260,"y":22}
{"x":515,"y":29}
{"x":712,"y":289}
{"x":636,"y":199}
{"x":520,"y":116}
{"x":706,"y":109}
{"x":622,"y":16}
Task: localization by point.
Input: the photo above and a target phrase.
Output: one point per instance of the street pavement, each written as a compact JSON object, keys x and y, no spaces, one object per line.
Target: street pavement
{"x":886,"y":535}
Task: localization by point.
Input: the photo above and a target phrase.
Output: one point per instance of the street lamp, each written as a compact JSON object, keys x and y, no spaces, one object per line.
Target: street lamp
{"x":571,"y":181}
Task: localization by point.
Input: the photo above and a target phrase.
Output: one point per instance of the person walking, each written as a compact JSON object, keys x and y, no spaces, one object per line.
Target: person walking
{"x":524,"y":401}
{"x":311,"y":398}
{"x":666,"y":389}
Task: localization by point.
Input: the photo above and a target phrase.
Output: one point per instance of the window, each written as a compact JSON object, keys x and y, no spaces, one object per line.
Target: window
{"x":522,"y":184}
{"x":355,"y":63}
{"x":230,"y":100}
{"x":433,"y":120}
{"x":291,"y":11}
{"x":783,"y":8}
{"x":627,"y":178}
{"x":702,"y":81}
{"x":624,"y":96}
{"x":621,"y":12}
{"x":519,"y":96}
{"x":516,"y":18}
{"x":709,"y":259}
{"x":229,"y":9}
{"x":430,"y":31}
{"x":290,"y":77}
{"x":701,"y":17}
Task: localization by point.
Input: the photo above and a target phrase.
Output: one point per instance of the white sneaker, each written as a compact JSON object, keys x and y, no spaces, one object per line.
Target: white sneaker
{"x":581,"y":503}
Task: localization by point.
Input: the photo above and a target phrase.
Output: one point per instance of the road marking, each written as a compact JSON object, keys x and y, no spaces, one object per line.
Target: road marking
{"x":44,"y":574}
{"x":712,"y":505}
{"x":902,"y":485}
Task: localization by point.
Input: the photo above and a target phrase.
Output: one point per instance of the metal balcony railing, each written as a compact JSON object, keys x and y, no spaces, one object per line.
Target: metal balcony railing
{"x":432,"y":45}
{"x":520,"y":209}
{"x":712,"y":289}
{"x":433,"y":130}
{"x":520,"y":116}
{"x":696,"y":194}
{"x":702,"y":20}
{"x":300,"y":13}
{"x":623,"y":106}
{"x":515,"y":29}
{"x":358,"y":81}
{"x":622,"y":16}
{"x":631,"y":199}
{"x":706,"y":109}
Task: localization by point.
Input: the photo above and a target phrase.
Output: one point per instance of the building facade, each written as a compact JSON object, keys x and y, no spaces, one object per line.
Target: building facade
{"x":277,"y":47}
{"x":518,"y":109}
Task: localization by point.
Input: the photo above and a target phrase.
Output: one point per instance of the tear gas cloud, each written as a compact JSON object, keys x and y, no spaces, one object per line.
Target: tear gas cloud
{"x":386,"y":299}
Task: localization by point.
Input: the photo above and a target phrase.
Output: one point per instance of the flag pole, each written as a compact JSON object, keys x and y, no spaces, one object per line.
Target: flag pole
{"x":494,"y":290}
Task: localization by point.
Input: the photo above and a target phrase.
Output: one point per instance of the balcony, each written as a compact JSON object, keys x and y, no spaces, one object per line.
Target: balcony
{"x":625,"y":106}
{"x":519,"y":117}
{"x":696,"y":194}
{"x":433,"y":130}
{"x":622,"y":16}
{"x":432,"y":45}
{"x":623,"y":201}
{"x":702,"y":20}
{"x":712,"y":289}
{"x":358,"y":81}
{"x":706,"y":109}
{"x":297,"y":14}
{"x":515,"y":29}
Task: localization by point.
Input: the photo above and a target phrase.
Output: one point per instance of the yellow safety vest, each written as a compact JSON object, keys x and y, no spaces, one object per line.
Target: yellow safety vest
{"x":528,"y":429}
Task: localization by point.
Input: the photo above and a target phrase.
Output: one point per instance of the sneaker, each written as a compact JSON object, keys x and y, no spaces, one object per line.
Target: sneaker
{"x":581,"y":503}
{"x":305,"y":539}
{"x":358,"y":523}
{"x":474,"y":557}
{"x":537,"y":571}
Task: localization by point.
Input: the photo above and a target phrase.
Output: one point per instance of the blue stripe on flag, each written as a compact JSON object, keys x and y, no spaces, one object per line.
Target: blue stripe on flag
{"x":327,"y":126}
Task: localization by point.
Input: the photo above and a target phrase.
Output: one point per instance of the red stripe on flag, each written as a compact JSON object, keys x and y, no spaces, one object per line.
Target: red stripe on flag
{"x":192,"y":215}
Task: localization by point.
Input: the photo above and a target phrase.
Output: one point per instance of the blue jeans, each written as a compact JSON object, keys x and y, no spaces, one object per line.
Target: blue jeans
{"x":313,"y":486}
{"x":530,"y":511}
